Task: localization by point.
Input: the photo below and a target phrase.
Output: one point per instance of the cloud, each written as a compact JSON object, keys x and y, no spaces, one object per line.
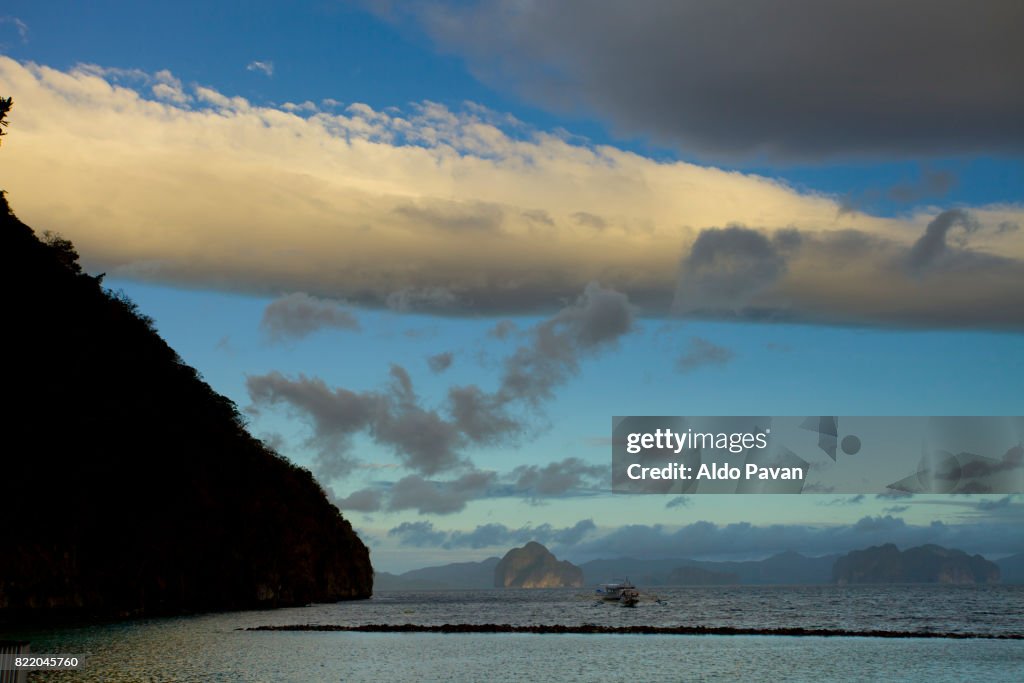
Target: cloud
{"x":548,"y":359}
{"x":20,"y":26}
{"x":424,"y":534}
{"x":932,"y":248}
{"x":424,"y":440}
{"x":265,"y":68}
{"x":595,"y":322}
{"x":304,"y":107}
{"x":590,"y":220}
{"x":295,"y":316}
{"x":335,"y":415}
{"x":458,"y":217}
{"x":484,"y":536}
{"x":558,"y":477}
{"x":439,"y":498}
{"x":702,"y":352}
{"x":456,"y":212}
{"x":169,"y":88}
{"x":502,"y":329}
{"x":678,"y":502}
{"x":534,"y":483}
{"x":727,"y":268}
{"x":224,"y":344}
{"x":846,"y":275}
{"x":932,"y":183}
{"x":439,"y":362}
{"x":893,"y":494}
{"x":990,"y":505}
{"x":417,"y":534}
{"x":572,"y":535}
{"x":431,"y":299}
{"x":481,"y":416}
{"x":365,"y":500}
{"x":791,"y":82}
{"x":852,"y":500}
{"x":421,"y":439}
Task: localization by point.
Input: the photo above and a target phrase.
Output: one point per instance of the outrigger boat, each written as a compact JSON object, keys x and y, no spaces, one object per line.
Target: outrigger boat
{"x":613,"y":592}
{"x":622,"y":592}
{"x":629,"y":597}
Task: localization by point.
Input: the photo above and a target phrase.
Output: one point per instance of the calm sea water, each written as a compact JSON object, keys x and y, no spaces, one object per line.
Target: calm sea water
{"x":212,"y":648}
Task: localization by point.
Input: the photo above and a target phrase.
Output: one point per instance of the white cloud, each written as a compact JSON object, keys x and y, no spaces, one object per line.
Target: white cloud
{"x":169,"y":88}
{"x":370,"y":206}
{"x":115,"y":74}
{"x":266,"y":68}
{"x":306,"y":106}
{"x":20,"y":26}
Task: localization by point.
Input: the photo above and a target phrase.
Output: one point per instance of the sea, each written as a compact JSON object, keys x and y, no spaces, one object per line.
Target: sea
{"x":218,"y":647}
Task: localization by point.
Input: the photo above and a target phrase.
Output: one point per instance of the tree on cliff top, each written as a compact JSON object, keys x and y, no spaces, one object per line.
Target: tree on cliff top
{"x":5,"y":108}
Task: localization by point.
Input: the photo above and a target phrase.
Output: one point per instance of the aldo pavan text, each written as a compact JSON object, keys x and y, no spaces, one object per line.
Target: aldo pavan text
{"x":713,"y":471}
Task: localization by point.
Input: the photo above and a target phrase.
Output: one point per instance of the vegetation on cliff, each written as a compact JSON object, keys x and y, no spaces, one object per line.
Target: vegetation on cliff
{"x":129,"y":486}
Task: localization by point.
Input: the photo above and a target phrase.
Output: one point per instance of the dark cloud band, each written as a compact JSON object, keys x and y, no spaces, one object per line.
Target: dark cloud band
{"x":793,"y":80}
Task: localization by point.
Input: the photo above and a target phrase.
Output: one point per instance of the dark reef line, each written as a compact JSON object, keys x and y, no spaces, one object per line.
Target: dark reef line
{"x":633,"y":630}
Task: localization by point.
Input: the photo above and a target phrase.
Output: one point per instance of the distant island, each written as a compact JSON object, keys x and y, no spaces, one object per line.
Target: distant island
{"x":533,"y":566}
{"x":924,"y":564}
{"x":130,"y":487}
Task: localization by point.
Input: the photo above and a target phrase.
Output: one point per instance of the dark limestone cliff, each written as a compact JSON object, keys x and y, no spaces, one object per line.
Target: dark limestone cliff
{"x":923,"y":564}
{"x":533,"y":566}
{"x":128,"y":486}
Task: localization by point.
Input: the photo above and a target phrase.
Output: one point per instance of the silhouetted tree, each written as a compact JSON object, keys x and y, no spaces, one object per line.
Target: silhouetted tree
{"x":5,"y":107}
{"x":63,"y":249}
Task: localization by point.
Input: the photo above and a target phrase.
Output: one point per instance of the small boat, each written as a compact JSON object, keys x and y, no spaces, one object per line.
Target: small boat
{"x":612,"y":592}
{"x":629,"y":597}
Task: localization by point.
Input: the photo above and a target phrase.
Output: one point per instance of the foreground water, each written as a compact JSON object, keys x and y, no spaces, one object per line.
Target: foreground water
{"x":213,"y":648}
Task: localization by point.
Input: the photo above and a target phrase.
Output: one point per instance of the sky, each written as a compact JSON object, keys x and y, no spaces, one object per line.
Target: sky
{"x":431,"y":248}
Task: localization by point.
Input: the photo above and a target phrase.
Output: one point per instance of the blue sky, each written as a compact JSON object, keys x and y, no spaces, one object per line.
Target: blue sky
{"x":459,"y":168}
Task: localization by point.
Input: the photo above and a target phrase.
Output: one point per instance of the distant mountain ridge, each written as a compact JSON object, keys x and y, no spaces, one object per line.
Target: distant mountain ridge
{"x":1011,"y":568}
{"x":785,"y":568}
{"x":458,"y":575}
{"x":697,"y":576}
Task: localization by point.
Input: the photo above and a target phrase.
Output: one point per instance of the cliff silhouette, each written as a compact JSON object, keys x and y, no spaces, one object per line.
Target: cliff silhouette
{"x":130,"y":487}
{"x":923,"y":564}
